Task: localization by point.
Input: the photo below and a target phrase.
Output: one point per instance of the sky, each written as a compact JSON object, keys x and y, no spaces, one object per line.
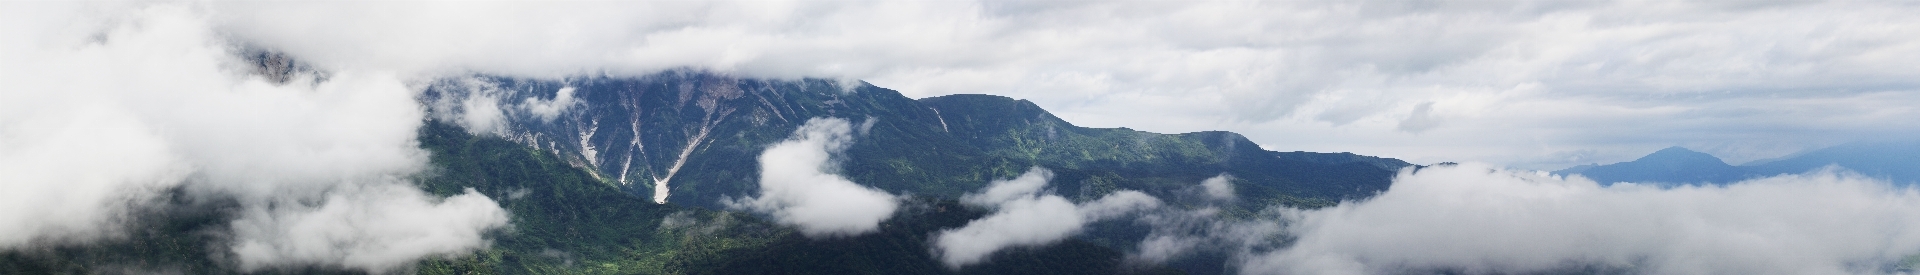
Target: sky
{"x":1529,"y":84}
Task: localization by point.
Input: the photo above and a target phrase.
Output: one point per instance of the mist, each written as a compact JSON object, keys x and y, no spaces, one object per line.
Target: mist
{"x":1025,"y":215}
{"x":1482,"y":219}
{"x":112,"y":104}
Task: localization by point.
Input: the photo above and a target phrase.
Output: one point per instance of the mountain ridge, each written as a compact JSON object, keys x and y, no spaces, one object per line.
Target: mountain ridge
{"x":697,"y":132}
{"x":1895,"y":161}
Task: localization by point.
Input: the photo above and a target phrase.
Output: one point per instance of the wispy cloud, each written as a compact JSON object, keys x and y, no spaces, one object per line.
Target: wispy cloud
{"x":1026,"y":216}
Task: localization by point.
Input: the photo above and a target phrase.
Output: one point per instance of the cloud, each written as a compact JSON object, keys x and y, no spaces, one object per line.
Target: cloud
{"x":1179,"y":233}
{"x":377,"y":227}
{"x":1218,"y":187}
{"x":1416,"y":80}
{"x":798,"y":187}
{"x":109,"y":104}
{"x":1478,"y":219}
{"x":548,"y":109}
{"x":474,"y":103}
{"x":1024,"y":216}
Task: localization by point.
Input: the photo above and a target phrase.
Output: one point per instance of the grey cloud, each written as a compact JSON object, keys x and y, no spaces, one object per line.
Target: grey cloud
{"x":1421,"y":119}
{"x":797,"y":186}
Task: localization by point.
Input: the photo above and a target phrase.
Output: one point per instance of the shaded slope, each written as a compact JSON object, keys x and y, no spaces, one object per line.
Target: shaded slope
{"x":567,"y":222}
{"x":1018,"y":129}
{"x":637,"y":130}
{"x":1895,"y":161}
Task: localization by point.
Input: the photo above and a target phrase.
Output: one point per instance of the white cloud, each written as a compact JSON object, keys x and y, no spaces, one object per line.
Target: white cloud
{"x":108,"y":104}
{"x":1419,"y":80}
{"x":474,"y":103}
{"x":376,"y":227}
{"x":1024,"y":216}
{"x":546,"y":110}
{"x":1479,"y":219}
{"x":1218,"y":187}
{"x":798,"y":187}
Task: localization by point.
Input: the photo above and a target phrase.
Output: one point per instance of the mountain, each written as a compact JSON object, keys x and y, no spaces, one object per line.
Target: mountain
{"x":697,"y":134}
{"x":1898,"y":162}
{"x":580,"y":165}
{"x":1343,"y":157}
{"x":1895,"y":161}
{"x":1671,"y":165}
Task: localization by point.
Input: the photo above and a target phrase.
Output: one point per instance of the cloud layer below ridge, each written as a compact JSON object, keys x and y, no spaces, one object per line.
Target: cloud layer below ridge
{"x":1478,"y":219}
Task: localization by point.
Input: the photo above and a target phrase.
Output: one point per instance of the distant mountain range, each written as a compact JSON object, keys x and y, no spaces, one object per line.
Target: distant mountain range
{"x":1896,"y":162}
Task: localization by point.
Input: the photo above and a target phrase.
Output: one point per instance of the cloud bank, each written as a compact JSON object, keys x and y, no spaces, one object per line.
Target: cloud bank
{"x":1417,"y":80}
{"x":798,"y":187}
{"x":1024,"y":216}
{"x":109,"y":104}
{"x":1478,"y":219}
{"x":376,"y":228}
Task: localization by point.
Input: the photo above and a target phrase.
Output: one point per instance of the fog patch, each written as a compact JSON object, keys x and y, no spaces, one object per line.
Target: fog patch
{"x":1182,"y":233}
{"x":1025,"y":216}
{"x":473,"y":103}
{"x":798,"y":186}
{"x":112,"y":104}
{"x":378,"y":228}
{"x":547,"y":110}
{"x":1219,"y":188}
{"x":1478,"y":219}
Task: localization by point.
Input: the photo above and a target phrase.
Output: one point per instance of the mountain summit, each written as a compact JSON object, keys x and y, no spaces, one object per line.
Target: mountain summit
{"x":1671,"y":165}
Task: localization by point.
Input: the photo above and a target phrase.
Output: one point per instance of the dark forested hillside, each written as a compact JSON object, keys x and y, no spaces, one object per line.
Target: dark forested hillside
{"x":567,"y":222}
{"x":699,"y":133}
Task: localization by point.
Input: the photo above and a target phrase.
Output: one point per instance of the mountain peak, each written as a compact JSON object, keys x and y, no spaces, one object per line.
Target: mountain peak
{"x":1672,"y":165}
{"x":1680,"y":155}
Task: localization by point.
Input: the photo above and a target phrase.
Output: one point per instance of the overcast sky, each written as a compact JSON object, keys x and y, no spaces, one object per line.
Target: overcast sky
{"x":1540,"y":85}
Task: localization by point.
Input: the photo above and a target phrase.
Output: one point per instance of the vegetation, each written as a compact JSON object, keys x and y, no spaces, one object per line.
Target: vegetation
{"x":576,"y":185}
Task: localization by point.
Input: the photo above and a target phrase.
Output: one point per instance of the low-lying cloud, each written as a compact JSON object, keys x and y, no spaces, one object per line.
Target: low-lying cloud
{"x":1218,"y":188}
{"x":798,"y":185}
{"x":108,"y":105}
{"x":1479,"y":219}
{"x":376,"y":227}
{"x":1025,"y":216}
